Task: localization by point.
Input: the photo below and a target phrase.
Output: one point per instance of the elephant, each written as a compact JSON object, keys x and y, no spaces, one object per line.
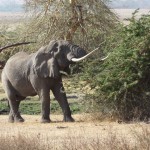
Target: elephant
{"x":38,"y":74}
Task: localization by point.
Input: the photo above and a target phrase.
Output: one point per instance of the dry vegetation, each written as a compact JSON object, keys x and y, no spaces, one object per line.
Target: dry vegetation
{"x":84,"y":134}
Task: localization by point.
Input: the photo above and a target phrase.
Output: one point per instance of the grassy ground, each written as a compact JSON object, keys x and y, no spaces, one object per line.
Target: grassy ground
{"x":32,"y":106}
{"x":86,"y":133}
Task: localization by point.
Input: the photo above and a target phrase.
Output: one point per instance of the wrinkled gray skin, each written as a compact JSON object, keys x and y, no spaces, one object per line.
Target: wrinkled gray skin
{"x":38,"y":73}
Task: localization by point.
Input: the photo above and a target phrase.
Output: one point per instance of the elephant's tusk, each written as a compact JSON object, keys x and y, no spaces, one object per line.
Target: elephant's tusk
{"x":105,"y":57}
{"x":84,"y":57}
{"x":64,"y":73}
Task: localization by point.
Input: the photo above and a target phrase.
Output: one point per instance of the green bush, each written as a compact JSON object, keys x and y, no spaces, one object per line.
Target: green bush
{"x":122,"y":82}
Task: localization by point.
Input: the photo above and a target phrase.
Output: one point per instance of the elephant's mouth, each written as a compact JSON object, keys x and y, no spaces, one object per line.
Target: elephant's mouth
{"x":87,"y":55}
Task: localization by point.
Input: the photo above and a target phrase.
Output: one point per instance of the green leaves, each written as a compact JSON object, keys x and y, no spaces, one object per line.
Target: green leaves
{"x":121,"y":78}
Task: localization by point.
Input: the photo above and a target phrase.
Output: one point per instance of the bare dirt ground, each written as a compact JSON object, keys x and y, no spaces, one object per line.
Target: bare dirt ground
{"x":83,"y":129}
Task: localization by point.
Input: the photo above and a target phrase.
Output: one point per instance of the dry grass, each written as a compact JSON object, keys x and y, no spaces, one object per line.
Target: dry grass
{"x":83,"y":135}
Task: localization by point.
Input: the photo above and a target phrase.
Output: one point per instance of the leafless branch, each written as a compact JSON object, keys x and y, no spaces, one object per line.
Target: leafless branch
{"x":13,"y":45}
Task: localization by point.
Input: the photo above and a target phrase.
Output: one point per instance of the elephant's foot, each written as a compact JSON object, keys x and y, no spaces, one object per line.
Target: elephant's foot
{"x":11,"y":119}
{"x":43,"y":120}
{"x":18,"y":119}
{"x":68,"y":119}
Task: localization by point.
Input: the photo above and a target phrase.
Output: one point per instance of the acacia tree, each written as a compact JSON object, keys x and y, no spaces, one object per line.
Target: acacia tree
{"x":85,"y":22}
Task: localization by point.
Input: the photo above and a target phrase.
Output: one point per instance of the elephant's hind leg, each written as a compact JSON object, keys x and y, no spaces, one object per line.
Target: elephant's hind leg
{"x":11,"y":117}
{"x":14,"y":115}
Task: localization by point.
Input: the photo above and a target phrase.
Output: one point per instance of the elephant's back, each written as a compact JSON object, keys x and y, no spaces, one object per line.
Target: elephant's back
{"x":19,"y":56}
{"x":16,"y":65}
{"x":17,"y":60}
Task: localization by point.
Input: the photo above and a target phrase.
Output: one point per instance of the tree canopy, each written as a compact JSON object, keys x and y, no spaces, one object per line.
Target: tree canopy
{"x":85,"y":22}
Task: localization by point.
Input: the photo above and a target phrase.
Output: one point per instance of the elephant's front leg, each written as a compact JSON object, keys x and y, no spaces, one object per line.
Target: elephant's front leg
{"x":45,"y":105}
{"x":60,"y":96}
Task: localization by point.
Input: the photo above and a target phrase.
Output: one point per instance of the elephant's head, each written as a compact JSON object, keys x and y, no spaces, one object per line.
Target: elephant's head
{"x":56,"y":56}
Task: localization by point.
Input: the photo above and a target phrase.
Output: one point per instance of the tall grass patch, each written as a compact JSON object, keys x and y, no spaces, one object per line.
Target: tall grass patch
{"x":111,"y":141}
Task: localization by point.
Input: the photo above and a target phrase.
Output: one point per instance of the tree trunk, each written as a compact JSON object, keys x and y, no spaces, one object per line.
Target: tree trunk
{"x":76,"y":21}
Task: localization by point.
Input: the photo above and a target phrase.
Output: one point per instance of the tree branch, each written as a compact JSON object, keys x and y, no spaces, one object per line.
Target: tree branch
{"x":13,"y":45}
{"x":2,"y":63}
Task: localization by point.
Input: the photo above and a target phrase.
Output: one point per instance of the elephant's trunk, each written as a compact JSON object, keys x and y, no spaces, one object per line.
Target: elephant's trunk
{"x":84,"y":57}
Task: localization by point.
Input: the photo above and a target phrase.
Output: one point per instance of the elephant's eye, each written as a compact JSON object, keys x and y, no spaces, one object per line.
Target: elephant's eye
{"x":55,"y":49}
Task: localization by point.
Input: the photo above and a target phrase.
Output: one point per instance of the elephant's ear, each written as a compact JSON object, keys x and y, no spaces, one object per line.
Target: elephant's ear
{"x":45,"y":65}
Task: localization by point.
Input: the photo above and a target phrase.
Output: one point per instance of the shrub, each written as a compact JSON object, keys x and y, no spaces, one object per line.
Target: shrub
{"x":122,"y":82}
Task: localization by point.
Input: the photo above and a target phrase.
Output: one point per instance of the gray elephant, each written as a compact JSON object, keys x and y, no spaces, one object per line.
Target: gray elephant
{"x":38,"y":73}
